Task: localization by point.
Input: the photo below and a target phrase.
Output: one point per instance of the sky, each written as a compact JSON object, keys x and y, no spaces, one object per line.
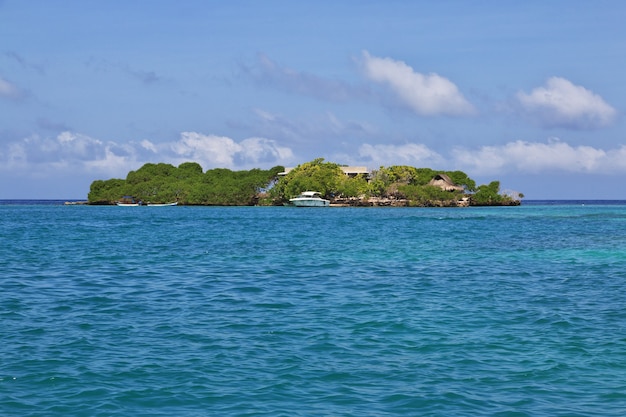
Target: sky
{"x":531,"y":94}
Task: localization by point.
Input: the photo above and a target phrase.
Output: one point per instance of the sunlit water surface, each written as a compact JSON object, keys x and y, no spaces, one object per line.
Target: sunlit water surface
{"x":253,"y":311}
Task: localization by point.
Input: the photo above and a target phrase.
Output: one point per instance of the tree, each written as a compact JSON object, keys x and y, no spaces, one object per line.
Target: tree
{"x":162,"y":183}
{"x":189,"y":170}
{"x":461,"y":178}
{"x":487,"y":195}
{"x":317,"y":175}
{"x":187,"y":184}
{"x":104,"y":192}
{"x":352,"y":186}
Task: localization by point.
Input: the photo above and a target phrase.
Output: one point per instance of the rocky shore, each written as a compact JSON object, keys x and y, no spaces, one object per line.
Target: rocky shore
{"x":401,"y":202}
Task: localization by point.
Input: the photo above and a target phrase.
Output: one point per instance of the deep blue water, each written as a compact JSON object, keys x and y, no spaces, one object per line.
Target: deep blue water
{"x":273,"y":311}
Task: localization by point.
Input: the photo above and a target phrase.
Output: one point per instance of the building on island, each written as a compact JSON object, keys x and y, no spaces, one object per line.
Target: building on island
{"x":442,"y":181}
{"x":445,"y":183}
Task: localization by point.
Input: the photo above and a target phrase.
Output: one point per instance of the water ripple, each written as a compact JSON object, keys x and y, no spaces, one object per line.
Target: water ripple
{"x":268,"y":311}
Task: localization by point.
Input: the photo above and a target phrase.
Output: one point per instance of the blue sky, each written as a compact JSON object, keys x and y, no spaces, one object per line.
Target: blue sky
{"x":528,"y":93}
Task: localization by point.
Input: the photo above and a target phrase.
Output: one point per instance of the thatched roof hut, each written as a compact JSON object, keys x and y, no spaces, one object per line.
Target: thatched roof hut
{"x":445,"y":183}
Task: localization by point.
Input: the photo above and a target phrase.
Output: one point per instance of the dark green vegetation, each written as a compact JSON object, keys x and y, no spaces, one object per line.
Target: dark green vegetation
{"x":396,"y":185}
{"x":186,"y":184}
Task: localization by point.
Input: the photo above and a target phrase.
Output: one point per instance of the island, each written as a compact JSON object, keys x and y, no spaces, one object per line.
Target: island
{"x":396,"y":186}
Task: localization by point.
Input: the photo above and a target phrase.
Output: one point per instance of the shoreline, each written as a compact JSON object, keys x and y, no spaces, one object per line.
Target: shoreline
{"x":525,"y":202}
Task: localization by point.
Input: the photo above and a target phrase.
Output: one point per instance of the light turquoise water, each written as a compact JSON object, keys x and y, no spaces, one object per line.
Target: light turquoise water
{"x":197,"y":311}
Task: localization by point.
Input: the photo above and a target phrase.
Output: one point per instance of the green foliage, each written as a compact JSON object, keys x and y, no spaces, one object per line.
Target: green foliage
{"x":317,"y":175}
{"x":423,"y":176}
{"x":386,"y":180}
{"x":461,"y":178}
{"x":352,"y":187}
{"x":397,"y":181}
{"x":424,"y":194}
{"x":187,"y":184}
{"x":189,"y":170}
{"x":104,"y":192}
{"x":488,"y":194}
{"x":391,"y":180}
{"x":400,"y":174}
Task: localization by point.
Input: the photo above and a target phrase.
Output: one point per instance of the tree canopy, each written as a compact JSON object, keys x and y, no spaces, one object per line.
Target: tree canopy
{"x":188,"y":184}
{"x":397,"y":182}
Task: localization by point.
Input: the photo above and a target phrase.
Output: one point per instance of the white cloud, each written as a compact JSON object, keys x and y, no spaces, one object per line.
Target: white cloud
{"x":562,"y":104}
{"x":535,"y":157}
{"x":9,"y":90}
{"x":426,"y":95}
{"x":146,"y":144}
{"x":81,"y":154}
{"x":221,"y":151}
{"x":257,"y":150}
{"x":407,"y":154}
{"x":211,"y":149}
{"x":112,"y":163}
{"x":69,"y":151}
{"x":552,"y":155}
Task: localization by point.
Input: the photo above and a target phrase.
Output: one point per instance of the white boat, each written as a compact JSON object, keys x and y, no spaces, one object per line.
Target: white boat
{"x":309,"y":199}
{"x":128,"y":204}
{"x":162,"y":204}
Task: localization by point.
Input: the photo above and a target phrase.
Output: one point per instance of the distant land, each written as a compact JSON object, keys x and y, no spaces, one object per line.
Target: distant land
{"x":397,"y":186}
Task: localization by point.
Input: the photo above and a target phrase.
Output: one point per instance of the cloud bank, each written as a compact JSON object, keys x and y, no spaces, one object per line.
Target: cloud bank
{"x":222,"y":151}
{"x":80,"y":153}
{"x":426,"y":95}
{"x":535,"y":157}
{"x":519,"y":156}
{"x":408,"y":154}
{"x":560,"y":103}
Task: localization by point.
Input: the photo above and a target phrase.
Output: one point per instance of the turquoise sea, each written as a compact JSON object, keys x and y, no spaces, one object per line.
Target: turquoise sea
{"x":275,"y":311}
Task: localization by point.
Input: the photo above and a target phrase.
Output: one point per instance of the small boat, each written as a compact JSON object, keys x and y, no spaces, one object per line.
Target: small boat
{"x":309,"y":199}
{"x":128,"y":204}
{"x":162,"y":204}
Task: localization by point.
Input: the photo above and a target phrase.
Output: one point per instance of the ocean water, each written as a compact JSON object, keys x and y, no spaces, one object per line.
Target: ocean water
{"x":274,"y":311}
